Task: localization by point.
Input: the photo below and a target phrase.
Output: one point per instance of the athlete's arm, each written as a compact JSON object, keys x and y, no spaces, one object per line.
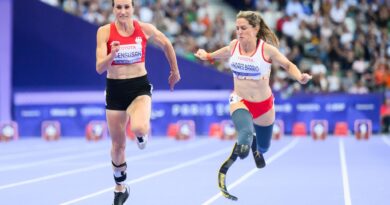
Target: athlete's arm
{"x":273,"y":54}
{"x":163,"y":42}
{"x":103,"y":60}
{"x":224,"y":52}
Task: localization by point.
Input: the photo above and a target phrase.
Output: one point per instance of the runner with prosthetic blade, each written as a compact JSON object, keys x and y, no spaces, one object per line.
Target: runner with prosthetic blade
{"x":252,"y":102}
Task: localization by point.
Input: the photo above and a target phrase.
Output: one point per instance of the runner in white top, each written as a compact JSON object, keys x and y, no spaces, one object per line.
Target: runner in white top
{"x":251,"y":103}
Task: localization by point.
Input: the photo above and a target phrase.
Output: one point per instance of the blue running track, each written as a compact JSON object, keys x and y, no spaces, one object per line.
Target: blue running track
{"x":299,"y":171}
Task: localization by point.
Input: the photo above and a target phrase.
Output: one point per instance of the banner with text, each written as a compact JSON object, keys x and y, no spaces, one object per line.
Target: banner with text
{"x":74,"y":116}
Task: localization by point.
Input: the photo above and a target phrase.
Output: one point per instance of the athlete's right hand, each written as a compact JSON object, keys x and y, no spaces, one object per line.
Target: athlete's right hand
{"x":305,"y":78}
{"x":115,"y":47}
{"x":173,"y":78}
{"x":201,"y":54}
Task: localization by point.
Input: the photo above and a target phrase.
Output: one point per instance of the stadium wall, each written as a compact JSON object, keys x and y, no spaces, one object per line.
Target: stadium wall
{"x":53,"y":50}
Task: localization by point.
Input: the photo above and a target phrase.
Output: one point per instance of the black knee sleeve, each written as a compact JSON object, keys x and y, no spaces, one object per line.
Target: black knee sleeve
{"x":120,"y":174}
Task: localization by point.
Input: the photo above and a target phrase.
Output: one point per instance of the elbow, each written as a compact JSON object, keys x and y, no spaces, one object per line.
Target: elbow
{"x":165,"y":48}
{"x":166,"y":45}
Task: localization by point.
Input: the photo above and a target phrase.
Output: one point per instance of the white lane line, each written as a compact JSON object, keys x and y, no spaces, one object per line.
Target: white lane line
{"x":154,"y":174}
{"x":105,"y":164}
{"x":69,"y":147}
{"x":344,"y":171}
{"x":386,"y":140}
{"x":45,"y":151}
{"x":35,"y":143}
{"x":49,"y":161}
{"x":53,"y":160}
{"x":251,"y":172}
{"x":74,"y":146}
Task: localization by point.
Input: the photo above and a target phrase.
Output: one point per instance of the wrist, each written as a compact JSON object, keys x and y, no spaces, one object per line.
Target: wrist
{"x":300,"y":76}
{"x":174,"y":71}
{"x":209,"y":58}
{"x":112,"y":55}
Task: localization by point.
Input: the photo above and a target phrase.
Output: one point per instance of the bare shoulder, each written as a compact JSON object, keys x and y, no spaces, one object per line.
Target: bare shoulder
{"x":148,"y":29}
{"x":270,"y":49}
{"x":232,"y":44}
{"x":103,"y":33}
{"x":104,"y":29}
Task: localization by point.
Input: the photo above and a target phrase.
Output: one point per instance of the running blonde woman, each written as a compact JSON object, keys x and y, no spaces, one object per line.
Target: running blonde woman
{"x":251,"y":103}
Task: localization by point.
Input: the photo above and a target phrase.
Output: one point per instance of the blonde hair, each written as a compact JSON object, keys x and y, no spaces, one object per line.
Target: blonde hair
{"x":265,"y":33}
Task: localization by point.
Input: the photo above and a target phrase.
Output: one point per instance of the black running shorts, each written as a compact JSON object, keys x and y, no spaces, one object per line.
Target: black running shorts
{"x":120,"y":93}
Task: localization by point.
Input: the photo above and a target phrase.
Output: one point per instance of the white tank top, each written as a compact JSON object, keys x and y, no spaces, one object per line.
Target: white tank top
{"x":253,"y":67}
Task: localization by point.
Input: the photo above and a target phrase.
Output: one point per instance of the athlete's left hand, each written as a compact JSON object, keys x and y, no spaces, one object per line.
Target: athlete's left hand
{"x":174,"y":77}
{"x":304,"y":78}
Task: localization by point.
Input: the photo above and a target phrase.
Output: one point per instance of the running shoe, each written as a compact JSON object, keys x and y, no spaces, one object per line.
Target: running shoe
{"x":259,"y":159}
{"x":141,"y":141}
{"x":121,"y":197}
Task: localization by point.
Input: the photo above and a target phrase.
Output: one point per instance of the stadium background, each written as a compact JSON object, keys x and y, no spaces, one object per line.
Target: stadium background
{"x":344,"y":44}
{"x":47,"y":74}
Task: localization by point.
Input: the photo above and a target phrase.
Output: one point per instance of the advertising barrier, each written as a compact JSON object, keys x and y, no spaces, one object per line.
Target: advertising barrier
{"x":75,"y":110}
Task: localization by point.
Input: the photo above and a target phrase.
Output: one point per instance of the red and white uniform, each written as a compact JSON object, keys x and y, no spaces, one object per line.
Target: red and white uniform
{"x":253,"y":67}
{"x":132,"y":48}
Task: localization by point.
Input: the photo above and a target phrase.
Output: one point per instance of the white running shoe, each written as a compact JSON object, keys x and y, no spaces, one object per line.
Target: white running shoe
{"x":141,"y":141}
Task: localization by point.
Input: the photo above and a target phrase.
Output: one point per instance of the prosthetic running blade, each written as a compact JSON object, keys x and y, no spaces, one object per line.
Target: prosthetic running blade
{"x":222,"y":174}
{"x":225,"y":167}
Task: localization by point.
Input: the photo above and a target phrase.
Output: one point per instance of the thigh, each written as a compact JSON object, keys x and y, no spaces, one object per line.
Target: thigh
{"x":117,"y":121}
{"x":236,"y":106}
{"x":140,"y":110}
{"x":267,"y":118}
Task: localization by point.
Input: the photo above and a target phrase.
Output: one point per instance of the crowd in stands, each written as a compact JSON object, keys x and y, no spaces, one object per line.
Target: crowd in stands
{"x":344,"y":44}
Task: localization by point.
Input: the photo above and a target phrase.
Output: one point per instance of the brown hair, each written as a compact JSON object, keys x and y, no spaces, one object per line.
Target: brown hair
{"x":255,"y":19}
{"x":113,"y":3}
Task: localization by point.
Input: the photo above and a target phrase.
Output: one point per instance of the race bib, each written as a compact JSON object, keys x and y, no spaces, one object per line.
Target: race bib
{"x":128,"y":54}
{"x":234,"y":98}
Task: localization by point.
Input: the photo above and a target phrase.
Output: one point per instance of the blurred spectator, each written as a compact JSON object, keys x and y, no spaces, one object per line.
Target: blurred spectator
{"x":381,"y":70}
{"x":93,"y":14}
{"x":385,"y":115}
{"x":358,"y":88}
{"x":318,"y":68}
{"x":146,"y":13}
{"x":295,"y":55}
{"x":70,"y":6}
{"x":334,"y":79}
{"x":295,"y":7}
{"x":383,"y":17}
{"x":326,"y":29}
{"x":346,"y":36}
{"x":351,"y":35}
{"x":360,"y":66}
{"x":338,"y":12}
{"x":348,"y":81}
{"x":290,"y":28}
